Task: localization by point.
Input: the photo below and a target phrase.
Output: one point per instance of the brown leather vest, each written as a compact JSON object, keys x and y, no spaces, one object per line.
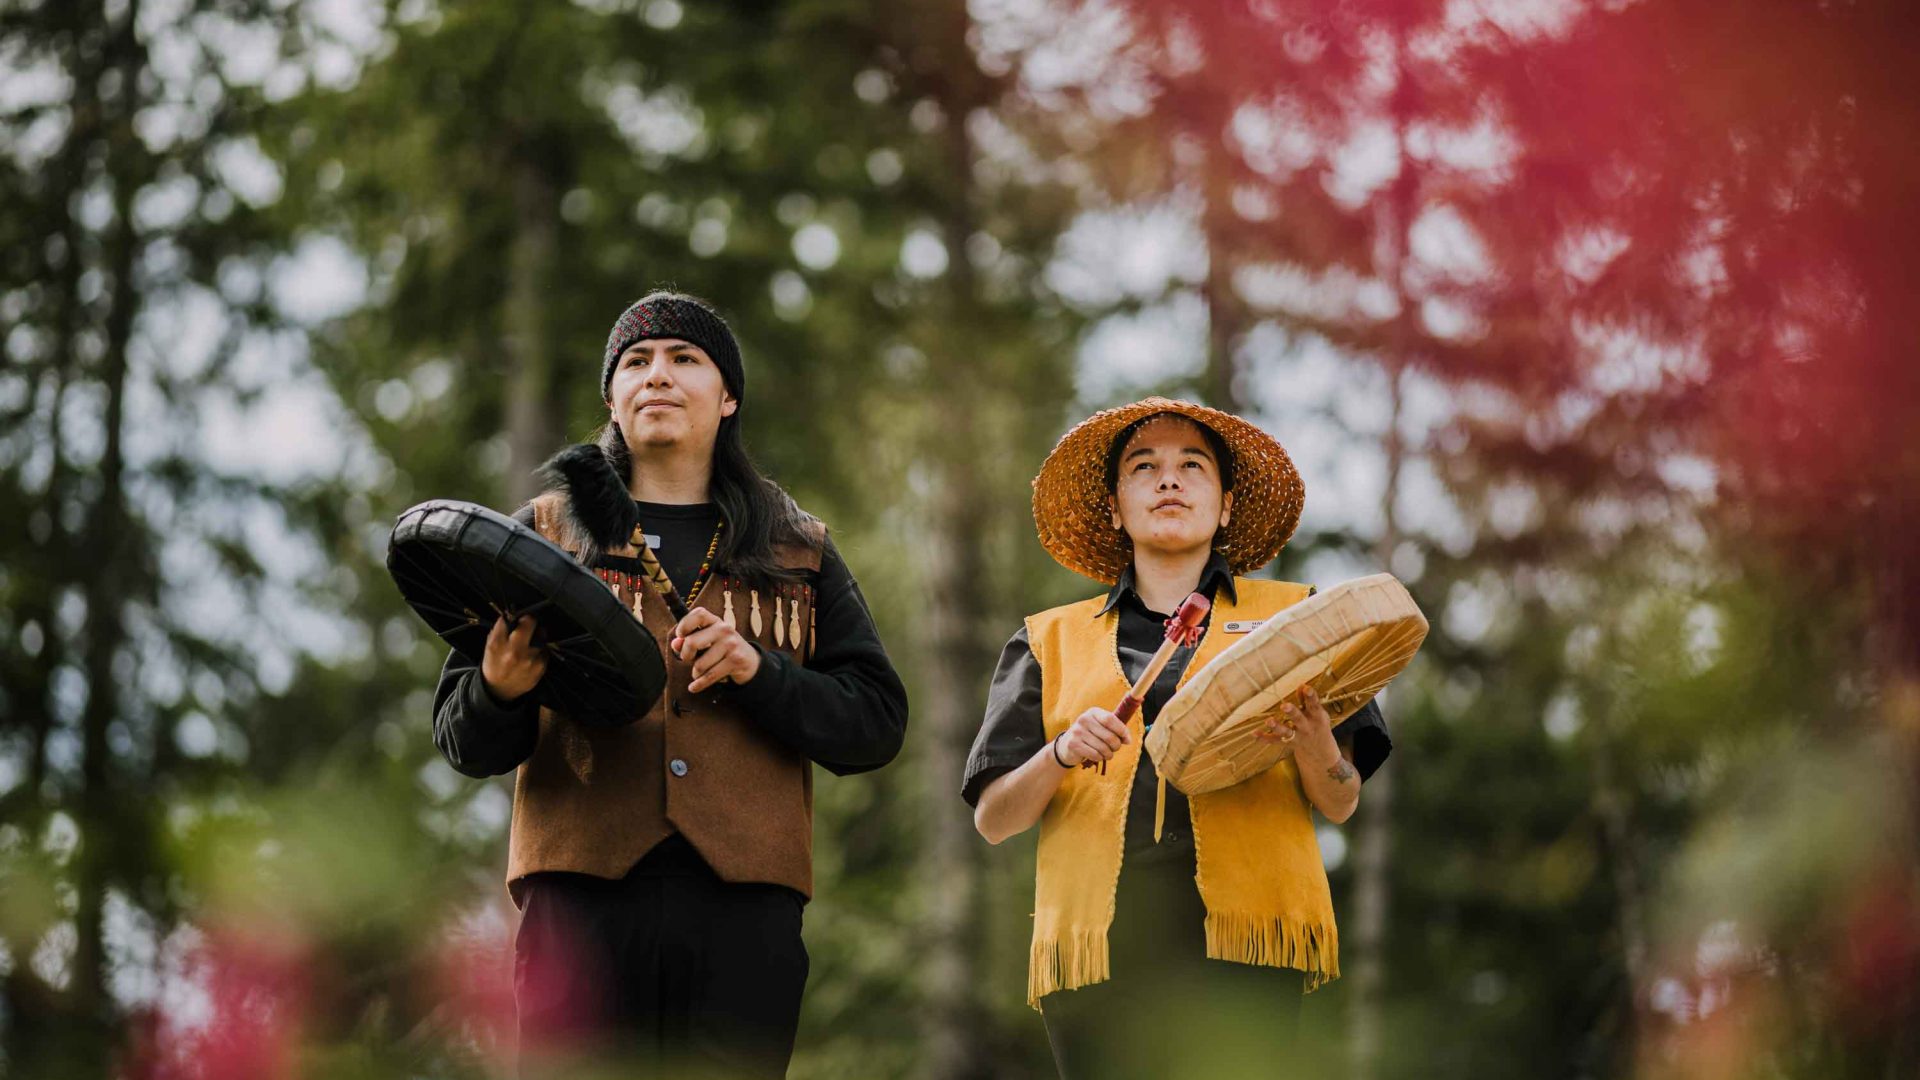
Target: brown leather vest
{"x":594,"y":800}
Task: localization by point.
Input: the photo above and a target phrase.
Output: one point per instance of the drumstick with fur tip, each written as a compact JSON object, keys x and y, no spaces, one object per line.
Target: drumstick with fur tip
{"x":1183,"y":631}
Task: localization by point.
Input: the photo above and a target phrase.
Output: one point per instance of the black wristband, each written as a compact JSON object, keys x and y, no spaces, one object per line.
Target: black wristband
{"x":1056,"y":752}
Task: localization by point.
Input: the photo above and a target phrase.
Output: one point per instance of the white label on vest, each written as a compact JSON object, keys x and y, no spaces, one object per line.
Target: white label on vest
{"x":1242,"y":626}
{"x":652,"y":541}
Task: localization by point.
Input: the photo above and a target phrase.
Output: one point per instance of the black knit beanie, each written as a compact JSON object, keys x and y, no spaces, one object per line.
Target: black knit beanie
{"x":675,"y":315}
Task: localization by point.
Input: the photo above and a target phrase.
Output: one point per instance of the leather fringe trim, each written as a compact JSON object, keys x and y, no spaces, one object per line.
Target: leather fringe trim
{"x":1272,"y":942}
{"x":1080,"y":960}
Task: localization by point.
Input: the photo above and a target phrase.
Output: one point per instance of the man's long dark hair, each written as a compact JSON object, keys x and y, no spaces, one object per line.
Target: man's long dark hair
{"x":758,"y":512}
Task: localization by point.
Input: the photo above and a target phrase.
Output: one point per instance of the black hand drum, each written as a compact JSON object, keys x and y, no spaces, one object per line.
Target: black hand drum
{"x":461,"y":566}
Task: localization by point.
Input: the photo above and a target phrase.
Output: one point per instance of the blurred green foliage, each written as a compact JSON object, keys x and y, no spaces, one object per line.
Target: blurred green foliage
{"x":1654,"y":804}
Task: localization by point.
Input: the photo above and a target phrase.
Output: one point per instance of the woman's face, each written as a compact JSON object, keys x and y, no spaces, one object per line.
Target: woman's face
{"x":668,"y":392}
{"x":1167,"y":496}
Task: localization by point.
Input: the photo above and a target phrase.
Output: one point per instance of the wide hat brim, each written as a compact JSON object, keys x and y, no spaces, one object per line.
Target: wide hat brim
{"x":1072,"y":512}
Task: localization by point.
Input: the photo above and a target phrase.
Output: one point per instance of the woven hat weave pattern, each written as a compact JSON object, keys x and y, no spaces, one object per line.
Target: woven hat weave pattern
{"x":1072,"y":513}
{"x":673,"y":315}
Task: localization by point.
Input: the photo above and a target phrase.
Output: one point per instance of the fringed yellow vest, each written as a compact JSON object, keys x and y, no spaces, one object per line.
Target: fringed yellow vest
{"x":1260,"y":873}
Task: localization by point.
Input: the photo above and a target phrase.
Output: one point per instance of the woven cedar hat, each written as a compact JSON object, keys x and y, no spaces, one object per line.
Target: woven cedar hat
{"x":1070,"y":496}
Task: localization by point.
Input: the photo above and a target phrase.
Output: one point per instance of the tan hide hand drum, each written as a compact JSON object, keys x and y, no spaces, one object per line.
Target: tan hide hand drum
{"x":1348,"y":642}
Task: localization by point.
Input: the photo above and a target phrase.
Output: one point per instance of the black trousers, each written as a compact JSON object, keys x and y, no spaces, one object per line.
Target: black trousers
{"x":1168,"y":1011}
{"x":667,"y":972}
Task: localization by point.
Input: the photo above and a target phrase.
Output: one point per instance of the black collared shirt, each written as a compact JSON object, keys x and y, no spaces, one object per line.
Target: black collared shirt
{"x":1014,"y":729}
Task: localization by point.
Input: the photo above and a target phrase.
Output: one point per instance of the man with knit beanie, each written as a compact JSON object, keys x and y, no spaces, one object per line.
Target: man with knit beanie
{"x":1171,"y":939}
{"x":662,"y":867}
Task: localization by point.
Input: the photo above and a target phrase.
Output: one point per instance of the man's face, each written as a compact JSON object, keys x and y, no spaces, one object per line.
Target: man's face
{"x":1167,"y":496}
{"x":668,"y":392}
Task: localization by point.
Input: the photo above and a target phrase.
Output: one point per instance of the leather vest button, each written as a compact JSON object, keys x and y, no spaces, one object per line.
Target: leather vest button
{"x":677,"y":766}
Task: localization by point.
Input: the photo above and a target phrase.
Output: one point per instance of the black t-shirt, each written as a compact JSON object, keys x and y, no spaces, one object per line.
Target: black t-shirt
{"x":1139,"y":635}
{"x":683,"y":534}
{"x":679,"y":534}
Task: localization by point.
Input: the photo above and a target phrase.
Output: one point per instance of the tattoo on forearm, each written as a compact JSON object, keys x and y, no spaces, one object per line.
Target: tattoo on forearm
{"x":1341,"y":772}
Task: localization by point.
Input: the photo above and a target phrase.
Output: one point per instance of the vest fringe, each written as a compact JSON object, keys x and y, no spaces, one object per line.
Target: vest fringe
{"x":1257,"y":860}
{"x":1273,"y":942}
{"x":1080,"y":959}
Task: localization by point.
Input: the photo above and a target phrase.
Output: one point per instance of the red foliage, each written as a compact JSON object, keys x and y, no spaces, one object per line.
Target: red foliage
{"x":239,"y":1016}
{"x":1748,"y":170}
{"x":1878,"y":967}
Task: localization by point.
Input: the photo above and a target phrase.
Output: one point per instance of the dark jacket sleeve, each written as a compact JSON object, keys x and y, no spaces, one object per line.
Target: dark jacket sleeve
{"x":479,"y":735}
{"x":1013,"y":728}
{"x":846,"y":707}
{"x":1365,"y":733}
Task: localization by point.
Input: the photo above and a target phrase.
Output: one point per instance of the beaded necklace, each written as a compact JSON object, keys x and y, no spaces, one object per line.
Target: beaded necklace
{"x":706,"y":564}
{"x":662,"y":584}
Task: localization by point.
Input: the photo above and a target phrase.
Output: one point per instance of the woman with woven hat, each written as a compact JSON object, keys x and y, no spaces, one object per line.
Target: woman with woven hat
{"x":1203,"y":917}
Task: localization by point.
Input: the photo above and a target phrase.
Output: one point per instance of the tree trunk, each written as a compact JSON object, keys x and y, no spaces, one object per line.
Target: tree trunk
{"x":1224,"y":312}
{"x":535,"y":403}
{"x":1212,"y":178}
{"x":98,"y":804}
{"x":947,"y":716}
{"x":1612,"y":804}
{"x":951,"y":1037}
{"x":1373,"y":845}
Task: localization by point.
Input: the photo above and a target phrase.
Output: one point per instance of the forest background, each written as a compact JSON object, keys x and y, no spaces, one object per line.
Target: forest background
{"x":1590,"y":320}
